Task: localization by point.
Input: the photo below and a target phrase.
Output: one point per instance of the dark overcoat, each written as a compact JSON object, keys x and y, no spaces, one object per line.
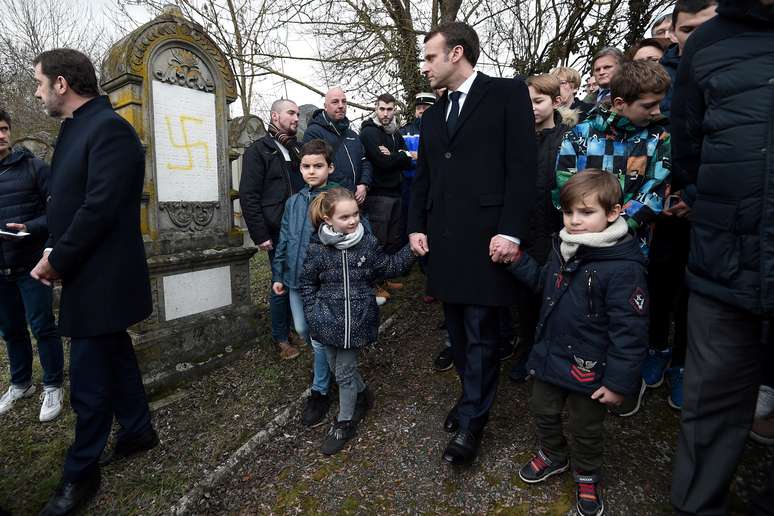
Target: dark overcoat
{"x":94,"y":219}
{"x":472,"y":185}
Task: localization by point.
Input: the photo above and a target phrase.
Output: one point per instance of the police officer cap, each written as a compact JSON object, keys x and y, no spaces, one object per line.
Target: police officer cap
{"x":425,"y":98}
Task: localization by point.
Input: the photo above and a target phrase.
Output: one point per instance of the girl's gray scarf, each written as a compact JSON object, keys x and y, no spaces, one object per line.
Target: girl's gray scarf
{"x":330,"y":236}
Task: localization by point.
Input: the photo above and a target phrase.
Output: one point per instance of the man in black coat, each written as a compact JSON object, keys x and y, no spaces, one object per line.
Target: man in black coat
{"x":386,"y":150}
{"x":96,"y":250}
{"x":470,"y":205}
{"x":723,"y":139}
{"x":271,"y":174}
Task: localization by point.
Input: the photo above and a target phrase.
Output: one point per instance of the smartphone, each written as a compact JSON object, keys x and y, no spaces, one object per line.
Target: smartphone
{"x":671,"y":201}
{"x":13,"y":233}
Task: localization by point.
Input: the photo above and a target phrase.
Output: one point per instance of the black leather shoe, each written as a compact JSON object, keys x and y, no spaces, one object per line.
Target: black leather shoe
{"x":451,"y":424}
{"x":445,"y":360}
{"x":125,"y":449}
{"x":462,"y":449}
{"x":71,"y":495}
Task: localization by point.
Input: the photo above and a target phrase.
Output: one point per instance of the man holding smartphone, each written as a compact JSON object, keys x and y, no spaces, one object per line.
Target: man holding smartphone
{"x":23,"y":193}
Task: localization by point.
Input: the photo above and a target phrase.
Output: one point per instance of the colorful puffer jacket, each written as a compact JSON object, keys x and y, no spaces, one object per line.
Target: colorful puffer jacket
{"x":639,"y":156}
{"x":593,"y":325}
{"x":337,"y":287}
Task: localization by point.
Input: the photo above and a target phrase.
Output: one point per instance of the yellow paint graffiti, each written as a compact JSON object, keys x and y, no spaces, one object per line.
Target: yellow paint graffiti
{"x":188,"y":146}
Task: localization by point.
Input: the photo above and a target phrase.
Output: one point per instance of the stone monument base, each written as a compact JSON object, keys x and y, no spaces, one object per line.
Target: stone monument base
{"x":203,"y":315}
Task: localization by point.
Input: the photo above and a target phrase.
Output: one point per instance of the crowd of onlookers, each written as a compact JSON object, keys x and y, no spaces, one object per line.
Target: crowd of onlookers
{"x":610,"y":244}
{"x":627,"y":125}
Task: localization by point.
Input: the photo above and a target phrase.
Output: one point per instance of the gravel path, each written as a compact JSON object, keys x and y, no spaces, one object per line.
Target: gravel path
{"x":394,"y":464}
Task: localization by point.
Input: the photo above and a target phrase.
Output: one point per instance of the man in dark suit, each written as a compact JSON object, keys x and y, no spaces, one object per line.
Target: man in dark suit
{"x":470,"y":204}
{"x":96,"y":250}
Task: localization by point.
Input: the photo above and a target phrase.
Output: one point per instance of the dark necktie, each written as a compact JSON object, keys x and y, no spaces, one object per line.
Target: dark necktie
{"x":454,"y":113}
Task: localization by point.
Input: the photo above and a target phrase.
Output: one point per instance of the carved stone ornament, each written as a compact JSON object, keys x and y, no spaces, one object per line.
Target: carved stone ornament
{"x":191,"y":216}
{"x":129,"y":56}
{"x":183,"y":68}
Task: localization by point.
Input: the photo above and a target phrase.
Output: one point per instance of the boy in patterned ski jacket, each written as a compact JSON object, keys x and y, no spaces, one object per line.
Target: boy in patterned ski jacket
{"x":622,"y":138}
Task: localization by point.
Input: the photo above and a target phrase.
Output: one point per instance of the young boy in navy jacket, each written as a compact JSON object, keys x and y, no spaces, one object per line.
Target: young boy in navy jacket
{"x":592,"y":334}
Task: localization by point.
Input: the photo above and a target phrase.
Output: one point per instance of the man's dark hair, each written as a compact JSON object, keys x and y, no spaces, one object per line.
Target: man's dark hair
{"x":386,"y":98}
{"x":75,"y":67}
{"x":317,"y":147}
{"x":459,"y":33}
{"x":5,"y":117}
{"x":661,"y":44}
{"x":637,"y":78}
{"x":690,"y":7}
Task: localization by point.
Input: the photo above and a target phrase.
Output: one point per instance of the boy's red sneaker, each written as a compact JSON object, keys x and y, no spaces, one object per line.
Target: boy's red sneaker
{"x":588,"y":494}
{"x":541,"y":467}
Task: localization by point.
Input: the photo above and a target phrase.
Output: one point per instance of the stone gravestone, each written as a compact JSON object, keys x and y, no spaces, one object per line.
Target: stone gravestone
{"x":173,"y":84}
{"x":242,"y":131}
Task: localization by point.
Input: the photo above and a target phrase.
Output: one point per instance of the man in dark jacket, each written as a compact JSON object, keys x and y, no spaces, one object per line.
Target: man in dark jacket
{"x":23,"y":192}
{"x":469,"y":208}
{"x":270,"y":174}
{"x":352,"y":169}
{"x":386,"y":150}
{"x":669,"y":247}
{"x":686,"y":18}
{"x":97,"y":250}
{"x":723,"y":143}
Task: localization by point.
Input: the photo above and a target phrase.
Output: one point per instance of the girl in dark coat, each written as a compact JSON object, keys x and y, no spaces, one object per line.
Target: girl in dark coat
{"x":342,"y":264}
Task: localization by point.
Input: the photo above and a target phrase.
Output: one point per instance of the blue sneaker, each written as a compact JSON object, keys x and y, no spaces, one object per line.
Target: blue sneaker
{"x":675,"y":379}
{"x":653,"y":369}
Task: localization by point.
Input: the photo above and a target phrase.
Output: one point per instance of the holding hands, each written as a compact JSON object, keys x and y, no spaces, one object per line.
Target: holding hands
{"x":419,"y":245}
{"x":502,"y":250}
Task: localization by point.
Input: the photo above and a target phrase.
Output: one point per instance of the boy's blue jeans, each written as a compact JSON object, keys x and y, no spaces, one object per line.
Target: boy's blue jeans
{"x":23,"y":300}
{"x":279,"y":310}
{"x":322,"y":372}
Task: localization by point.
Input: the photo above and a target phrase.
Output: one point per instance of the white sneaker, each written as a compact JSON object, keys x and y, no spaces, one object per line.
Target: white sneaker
{"x":12,"y":394}
{"x":52,"y":403}
{"x":380,"y":300}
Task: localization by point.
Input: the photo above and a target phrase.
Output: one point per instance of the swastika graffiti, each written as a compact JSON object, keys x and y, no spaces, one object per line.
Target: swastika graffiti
{"x":186,"y":145}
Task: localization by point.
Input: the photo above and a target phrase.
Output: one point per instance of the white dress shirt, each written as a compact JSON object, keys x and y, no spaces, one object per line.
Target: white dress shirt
{"x":463,"y":89}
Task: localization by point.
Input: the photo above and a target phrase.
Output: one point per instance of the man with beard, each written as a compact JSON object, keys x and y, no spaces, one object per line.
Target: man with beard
{"x":330,"y":124}
{"x":96,"y":249}
{"x":470,"y":205}
{"x":387,"y":153}
{"x":270,"y":174}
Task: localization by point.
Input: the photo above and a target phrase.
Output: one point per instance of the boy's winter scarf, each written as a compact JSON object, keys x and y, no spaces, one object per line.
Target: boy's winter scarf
{"x":607,"y":238}
{"x":330,"y":236}
{"x":390,"y":128}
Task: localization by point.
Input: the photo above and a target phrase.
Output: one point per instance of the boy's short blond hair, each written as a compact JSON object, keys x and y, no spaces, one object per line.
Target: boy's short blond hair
{"x":571,"y":75}
{"x":592,"y":181}
{"x":545,"y":84}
